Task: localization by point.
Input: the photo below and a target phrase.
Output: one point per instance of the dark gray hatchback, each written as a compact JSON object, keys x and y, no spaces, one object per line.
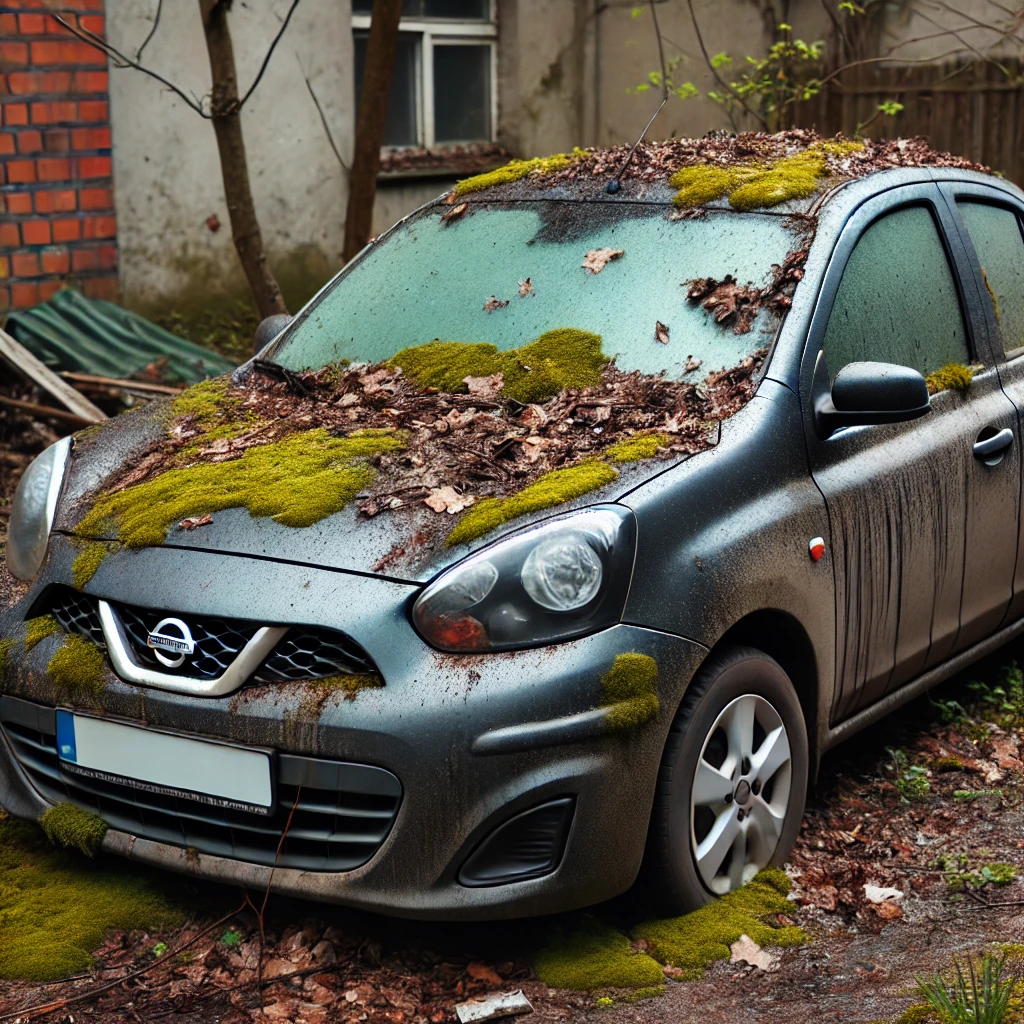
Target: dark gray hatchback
{"x":632,"y":673}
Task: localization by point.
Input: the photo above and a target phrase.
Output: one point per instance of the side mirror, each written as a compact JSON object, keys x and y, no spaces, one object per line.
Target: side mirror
{"x":865,"y":394}
{"x":269,"y":328}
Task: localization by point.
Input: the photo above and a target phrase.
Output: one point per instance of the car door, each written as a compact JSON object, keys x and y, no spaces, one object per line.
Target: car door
{"x":991,"y":224}
{"x":908,"y":502}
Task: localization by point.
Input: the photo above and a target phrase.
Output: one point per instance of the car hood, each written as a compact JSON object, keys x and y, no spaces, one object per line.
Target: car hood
{"x":403,"y":544}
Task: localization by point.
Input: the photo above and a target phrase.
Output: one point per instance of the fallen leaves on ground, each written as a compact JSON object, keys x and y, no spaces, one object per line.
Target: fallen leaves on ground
{"x":746,"y":950}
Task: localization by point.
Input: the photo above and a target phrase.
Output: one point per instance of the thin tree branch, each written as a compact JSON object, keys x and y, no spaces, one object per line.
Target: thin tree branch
{"x":718,"y":78}
{"x":121,"y":61}
{"x":152,"y":30}
{"x":327,"y":127}
{"x":270,"y":53}
{"x":967,"y":46}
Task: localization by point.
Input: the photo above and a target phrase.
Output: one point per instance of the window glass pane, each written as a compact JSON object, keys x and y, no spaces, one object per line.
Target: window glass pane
{"x":400,"y":129}
{"x":462,"y":93}
{"x":469,"y":10}
{"x":897,"y":301}
{"x":410,"y":8}
{"x":428,"y":279}
{"x":995,"y":232}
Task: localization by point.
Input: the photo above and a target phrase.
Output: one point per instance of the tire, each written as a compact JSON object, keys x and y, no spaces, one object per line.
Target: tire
{"x":690,"y":824}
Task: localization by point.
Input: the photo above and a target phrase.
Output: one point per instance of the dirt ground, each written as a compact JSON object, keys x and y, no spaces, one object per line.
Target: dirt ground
{"x":896,"y":807}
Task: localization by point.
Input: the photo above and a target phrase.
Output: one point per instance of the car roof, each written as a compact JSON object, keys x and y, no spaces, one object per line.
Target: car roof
{"x":782,"y":163}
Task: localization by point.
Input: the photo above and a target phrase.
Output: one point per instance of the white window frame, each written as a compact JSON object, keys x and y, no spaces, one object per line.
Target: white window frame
{"x":443,"y":32}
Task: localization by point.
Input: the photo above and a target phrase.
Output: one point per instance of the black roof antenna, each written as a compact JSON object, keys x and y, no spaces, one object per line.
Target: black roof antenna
{"x":613,"y":184}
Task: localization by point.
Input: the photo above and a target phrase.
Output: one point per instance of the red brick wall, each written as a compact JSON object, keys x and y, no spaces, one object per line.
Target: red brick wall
{"x":57,"y":221}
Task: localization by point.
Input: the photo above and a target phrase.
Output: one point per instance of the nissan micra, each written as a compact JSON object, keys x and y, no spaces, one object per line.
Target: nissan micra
{"x":550,"y":546}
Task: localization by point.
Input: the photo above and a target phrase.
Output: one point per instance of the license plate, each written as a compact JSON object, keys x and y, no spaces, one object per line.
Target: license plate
{"x":235,"y":778}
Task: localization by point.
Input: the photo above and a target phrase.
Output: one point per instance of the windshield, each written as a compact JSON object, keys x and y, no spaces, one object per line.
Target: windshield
{"x":506,"y":274}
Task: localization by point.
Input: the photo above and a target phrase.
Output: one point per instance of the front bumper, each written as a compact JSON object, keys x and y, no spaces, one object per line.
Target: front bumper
{"x":473,"y":739}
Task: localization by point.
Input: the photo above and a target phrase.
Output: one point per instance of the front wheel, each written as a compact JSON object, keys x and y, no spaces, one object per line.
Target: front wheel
{"x":732,"y":783}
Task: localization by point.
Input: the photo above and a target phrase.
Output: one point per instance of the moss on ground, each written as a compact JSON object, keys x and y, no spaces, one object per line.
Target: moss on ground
{"x":595,"y":956}
{"x":297,"y":481}
{"x":752,"y":186}
{"x":554,"y":488}
{"x":515,"y":170}
{"x":86,"y":562}
{"x":54,"y":910}
{"x":70,"y":827}
{"x":696,"y":940}
{"x":645,"y":993}
{"x":38,"y":629}
{"x":630,"y":690}
{"x":77,"y":668}
{"x":633,"y":449}
{"x":559,"y":359}
{"x":951,"y":377}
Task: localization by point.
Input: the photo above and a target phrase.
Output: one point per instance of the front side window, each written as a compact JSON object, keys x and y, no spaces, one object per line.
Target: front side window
{"x":897,"y":301}
{"x":995,"y":232}
{"x":442,"y":90}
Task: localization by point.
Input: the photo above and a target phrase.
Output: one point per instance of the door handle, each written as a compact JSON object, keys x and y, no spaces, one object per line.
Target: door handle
{"x":990,"y":450}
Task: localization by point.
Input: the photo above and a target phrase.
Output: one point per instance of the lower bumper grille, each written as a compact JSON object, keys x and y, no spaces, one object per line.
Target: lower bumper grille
{"x":343,"y":813}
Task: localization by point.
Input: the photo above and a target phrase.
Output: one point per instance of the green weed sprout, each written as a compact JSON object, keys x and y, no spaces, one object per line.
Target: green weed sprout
{"x":972,"y":999}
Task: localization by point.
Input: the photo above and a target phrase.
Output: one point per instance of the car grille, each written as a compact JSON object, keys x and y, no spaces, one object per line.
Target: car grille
{"x":304,"y":652}
{"x":342,"y":815}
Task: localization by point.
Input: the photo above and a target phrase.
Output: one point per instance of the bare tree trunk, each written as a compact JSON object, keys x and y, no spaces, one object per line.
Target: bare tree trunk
{"x":373,"y":112}
{"x":227,"y":124}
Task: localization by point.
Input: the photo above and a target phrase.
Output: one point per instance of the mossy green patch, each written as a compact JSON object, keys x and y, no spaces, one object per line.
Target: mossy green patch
{"x":38,"y":629}
{"x":5,"y":651}
{"x":559,"y":359}
{"x":297,"y":481}
{"x":553,"y":488}
{"x":317,"y":691}
{"x":633,"y":449}
{"x":694,"y":941}
{"x":595,"y":956}
{"x":207,"y":402}
{"x":630,"y":690}
{"x":839,"y":147}
{"x":55,"y":909}
{"x":516,"y":170}
{"x":951,"y":377}
{"x":70,"y":827}
{"x":76,"y":668}
{"x":751,"y":186}
{"x":645,"y":993}
{"x":86,"y":562}
{"x":916,"y":1013}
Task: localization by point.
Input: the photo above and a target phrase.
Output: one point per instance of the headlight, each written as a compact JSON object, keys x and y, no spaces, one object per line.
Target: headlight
{"x":555,"y":581}
{"x":33,"y":509}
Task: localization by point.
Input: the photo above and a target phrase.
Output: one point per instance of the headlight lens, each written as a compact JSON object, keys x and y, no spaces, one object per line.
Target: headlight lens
{"x":33,"y":509}
{"x":561,"y":579}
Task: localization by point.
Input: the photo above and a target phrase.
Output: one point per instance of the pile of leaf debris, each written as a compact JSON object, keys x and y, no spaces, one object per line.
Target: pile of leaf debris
{"x":655,"y":162}
{"x":456,"y":447}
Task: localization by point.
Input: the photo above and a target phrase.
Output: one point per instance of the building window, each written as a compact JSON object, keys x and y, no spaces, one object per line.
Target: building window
{"x":442,"y":89}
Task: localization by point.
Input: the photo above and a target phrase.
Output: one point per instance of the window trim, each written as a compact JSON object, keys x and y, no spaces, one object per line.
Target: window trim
{"x":443,"y":32}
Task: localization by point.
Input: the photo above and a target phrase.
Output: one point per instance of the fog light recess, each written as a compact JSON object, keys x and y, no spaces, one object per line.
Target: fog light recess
{"x":527,"y":846}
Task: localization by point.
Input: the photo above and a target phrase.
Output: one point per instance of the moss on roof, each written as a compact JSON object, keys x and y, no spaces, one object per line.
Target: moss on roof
{"x":516,"y":170}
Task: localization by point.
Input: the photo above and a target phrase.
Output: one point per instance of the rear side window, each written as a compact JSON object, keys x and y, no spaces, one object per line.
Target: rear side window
{"x":897,"y":301}
{"x":995,"y":232}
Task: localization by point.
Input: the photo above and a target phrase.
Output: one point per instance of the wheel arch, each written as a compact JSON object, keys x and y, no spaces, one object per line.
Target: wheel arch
{"x":781,"y":636}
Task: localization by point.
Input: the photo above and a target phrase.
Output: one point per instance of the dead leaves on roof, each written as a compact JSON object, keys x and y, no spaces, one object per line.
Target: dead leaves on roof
{"x":494,"y":303}
{"x":526,"y":288}
{"x":447,"y":499}
{"x":661,"y":332}
{"x":597,"y":259}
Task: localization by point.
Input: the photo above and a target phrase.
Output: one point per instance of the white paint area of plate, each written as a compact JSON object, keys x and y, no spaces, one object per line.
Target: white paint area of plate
{"x":176,"y":762}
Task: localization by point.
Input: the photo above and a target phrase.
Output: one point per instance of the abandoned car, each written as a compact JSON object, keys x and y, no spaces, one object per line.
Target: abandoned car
{"x":550,"y":546}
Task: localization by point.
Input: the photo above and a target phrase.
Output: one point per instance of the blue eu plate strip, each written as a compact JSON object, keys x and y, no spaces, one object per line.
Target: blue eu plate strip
{"x":66,"y":736}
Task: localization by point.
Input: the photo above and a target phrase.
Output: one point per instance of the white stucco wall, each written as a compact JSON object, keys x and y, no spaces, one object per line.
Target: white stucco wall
{"x":167,"y":178}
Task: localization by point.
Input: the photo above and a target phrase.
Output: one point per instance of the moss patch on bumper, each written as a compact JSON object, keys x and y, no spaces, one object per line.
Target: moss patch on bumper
{"x":72,"y":828}
{"x":54,"y":910}
{"x":38,"y":629}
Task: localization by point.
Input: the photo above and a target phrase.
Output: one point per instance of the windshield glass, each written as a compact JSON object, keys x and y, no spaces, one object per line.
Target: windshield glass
{"x":506,"y":274}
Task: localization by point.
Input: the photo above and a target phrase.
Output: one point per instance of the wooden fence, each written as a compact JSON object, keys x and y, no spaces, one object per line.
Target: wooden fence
{"x":969,"y":108}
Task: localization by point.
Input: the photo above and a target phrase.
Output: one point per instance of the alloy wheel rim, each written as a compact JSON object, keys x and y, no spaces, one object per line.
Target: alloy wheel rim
{"x":740,"y":793}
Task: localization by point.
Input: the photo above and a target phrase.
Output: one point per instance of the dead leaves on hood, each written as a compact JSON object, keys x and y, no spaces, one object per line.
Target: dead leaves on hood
{"x":494,"y":303}
{"x":661,"y":332}
{"x":526,"y":288}
{"x":597,"y":259}
{"x":447,"y":499}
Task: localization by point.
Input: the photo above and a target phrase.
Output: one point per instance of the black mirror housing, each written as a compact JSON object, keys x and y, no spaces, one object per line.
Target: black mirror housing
{"x":866,"y":394}
{"x":269,"y":328}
